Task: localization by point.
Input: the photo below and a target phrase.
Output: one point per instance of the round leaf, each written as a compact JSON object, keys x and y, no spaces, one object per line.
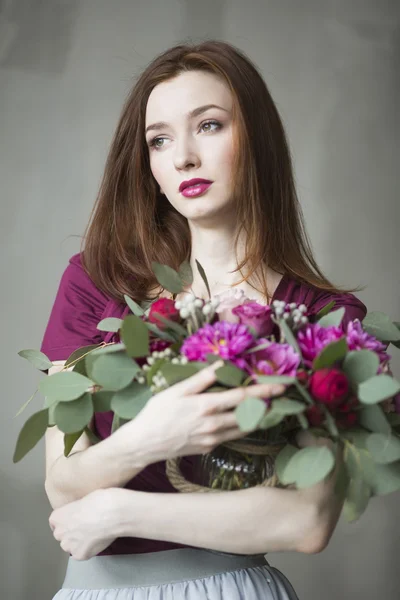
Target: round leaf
{"x":249,"y":413}
{"x":384,"y":449}
{"x":374,"y":419}
{"x":357,"y":498}
{"x":134,"y":306}
{"x":79,"y":353}
{"x":32,"y":431}
{"x":135,"y":336}
{"x":270,"y":419}
{"x":230,"y":375}
{"x":378,"y":388}
{"x":70,"y":440}
{"x":186,"y":273}
{"x":285,"y":406}
{"x":64,"y":386}
{"x":127,"y":403}
{"x":71,"y":417}
{"x":360,"y":365}
{"x":332,"y":319}
{"x":113,"y":371}
{"x":102,"y":401}
{"x":332,"y":353}
{"x":379,"y":325}
{"x":283,"y":458}
{"x":309,"y":466}
{"x":110,"y":324}
{"x":36,"y":358}
{"x":167,"y":277}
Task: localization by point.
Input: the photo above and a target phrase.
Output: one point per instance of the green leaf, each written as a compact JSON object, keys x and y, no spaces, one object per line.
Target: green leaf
{"x":358,"y":461}
{"x":175,"y":373}
{"x":378,"y":388}
{"x":154,"y":368}
{"x":113,"y":371}
{"x":384,"y":449}
{"x":288,"y":334}
{"x":186,"y":273}
{"x":249,"y":413}
{"x":282,"y":460}
{"x":204,"y":277}
{"x":70,"y":440}
{"x":309,"y":466}
{"x":134,"y":306}
{"x":325,"y":310}
{"x":357,"y":498}
{"x":379,"y":325}
{"x":127,"y":403}
{"x":257,"y":348}
{"x":360,"y":365}
{"x":271,"y":419}
{"x":374,"y":419}
{"x":330,"y":422}
{"x":110,"y":324}
{"x":163,"y":335}
{"x":80,"y":353}
{"x":109,"y":349}
{"x":135,"y":336}
{"x":230,"y":375}
{"x":285,"y":406}
{"x":176,"y":327}
{"x":386,"y":479}
{"x":302,"y":421}
{"x":116,"y":423}
{"x":102,"y":401}
{"x":92,"y":436}
{"x":32,"y":431}
{"x":25,"y":405}
{"x":394,"y":419}
{"x":333,"y":319}
{"x":64,"y":386}
{"x":36,"y":358}
{"x":342,"y":482}
{"x":167,"y":277}
{"x":272,"y":379}
{"x":71,"y":417}
{"x":302,"y":390}
{"x":332,"y":353}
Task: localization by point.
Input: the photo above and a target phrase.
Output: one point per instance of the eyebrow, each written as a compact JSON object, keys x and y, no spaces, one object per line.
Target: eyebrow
{"x":193,"y":113}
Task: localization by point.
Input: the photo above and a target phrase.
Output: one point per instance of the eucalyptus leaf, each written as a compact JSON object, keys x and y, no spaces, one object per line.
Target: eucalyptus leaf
{"x":302,"y":421}
{"x":163,"y":335}
{"x":374,"y":419}
{"x":135,"y":336}
{"x":134,"y":306}
{"x":289,"y":336}
{"x":333,"y":319}
{"x":249,"y":413}
{"x":379,"y":325}
{"x":274,"y":379}
{"x":167,"y":277}
{"x":32,"y":431}
{"x":38,"y":359}
{"x":92,"y":436}
{"x":385,"y":479}
{"x":186,"y":273}
{"x":281,"y":461}
{"x":331,"y":354}
{"x":26,"y":404}
{"x":230,"y":375}
{"x":78,"y":354}
{"x":359,"y":462}
{"x":330,"y":422}
{"x":271,"y":419}
{"x":109,"y":348}
{"x":204,"y":277}
{"x":257,"y":348}
{"x":360,"y":365}
{"x":303,"y":392}
{"x":325,"y":309}
{"x":176,"y":327}
{"x":342,"y":481}
{"x":64,"y":386}
{"x":113,"y":371}
{"x":110,"y":324}
{"x":70,"y":440}
{"x":116,"y":423}
{"x":384,"y":449}
{"x":73,"y":416}
{"x":378,"y":388}
{"x":357,"y":498}
{"x":102,"y":401}
{"x":309,"y":466}
{"x":285,"y":406}
{"x":127,"y":403}
{"x":174,"y":373}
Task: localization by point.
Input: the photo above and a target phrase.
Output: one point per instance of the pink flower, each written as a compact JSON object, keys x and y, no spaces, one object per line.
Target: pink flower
{"x":276,"y":359}
{"x":229,"y":300}
{"x":330,"y":387}
{"x":255,"y":315}
{"x":358,"y":339}
{"x":313,"y":338}
{"x":227,"y":340}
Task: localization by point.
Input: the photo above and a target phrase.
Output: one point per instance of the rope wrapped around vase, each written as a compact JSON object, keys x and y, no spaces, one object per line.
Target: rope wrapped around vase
{"x":182,"y":485}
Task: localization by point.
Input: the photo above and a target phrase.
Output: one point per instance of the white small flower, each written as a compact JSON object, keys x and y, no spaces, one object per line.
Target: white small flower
{"x":198,"y":303}
{"x":206,"y":310}
{"x":178,"y":305}
{"x":146,"y":367}
{"x":184,"y":313}
{"x":150,"y":360}
{"x":175,"y":361}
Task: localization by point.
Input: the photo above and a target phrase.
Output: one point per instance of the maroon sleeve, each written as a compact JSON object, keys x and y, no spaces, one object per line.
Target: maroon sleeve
{"x":78,"y":307}
{"x":354,"y":308}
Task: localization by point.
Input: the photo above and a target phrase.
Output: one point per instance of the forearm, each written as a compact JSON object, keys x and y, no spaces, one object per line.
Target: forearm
{"x":252,"y":521}
{"x":103,"y":465}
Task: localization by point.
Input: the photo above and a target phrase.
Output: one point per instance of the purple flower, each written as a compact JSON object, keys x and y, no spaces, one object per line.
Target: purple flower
{"x":358,"y":339}
{"x":313,"y":338}
{"x":255,"y":315}
{"x":227,"y":340}
{"x":276,"y":359}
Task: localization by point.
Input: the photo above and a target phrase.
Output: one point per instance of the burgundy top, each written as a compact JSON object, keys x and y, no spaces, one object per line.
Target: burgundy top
{"x":80,"y":305}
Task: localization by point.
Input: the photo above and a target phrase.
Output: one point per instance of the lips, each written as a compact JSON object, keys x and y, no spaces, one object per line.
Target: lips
{"x":190,"y":182}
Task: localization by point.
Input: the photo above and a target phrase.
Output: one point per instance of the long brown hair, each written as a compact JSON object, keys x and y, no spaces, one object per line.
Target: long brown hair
{"x":132,"y":224}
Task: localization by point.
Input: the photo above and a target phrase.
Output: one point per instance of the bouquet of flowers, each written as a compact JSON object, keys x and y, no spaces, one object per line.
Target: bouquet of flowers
{"x":337,"y":381}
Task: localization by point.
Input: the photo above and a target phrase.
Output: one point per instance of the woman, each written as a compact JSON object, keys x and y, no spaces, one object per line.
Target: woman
{"x":199,"y":168}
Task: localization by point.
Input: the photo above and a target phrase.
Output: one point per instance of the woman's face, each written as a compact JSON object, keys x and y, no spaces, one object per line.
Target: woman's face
{"x":188,"y":139}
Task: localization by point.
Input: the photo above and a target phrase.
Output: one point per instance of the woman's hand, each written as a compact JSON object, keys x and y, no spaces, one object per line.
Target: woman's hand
{"x":85,"y":527}
{"x":182,"y":421}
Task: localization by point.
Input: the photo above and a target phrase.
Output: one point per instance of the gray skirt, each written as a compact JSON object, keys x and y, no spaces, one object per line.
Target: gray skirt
{"x":180,"y":574}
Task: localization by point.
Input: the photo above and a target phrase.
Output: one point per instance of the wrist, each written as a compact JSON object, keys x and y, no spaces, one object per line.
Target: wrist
{"x":122,"y":514}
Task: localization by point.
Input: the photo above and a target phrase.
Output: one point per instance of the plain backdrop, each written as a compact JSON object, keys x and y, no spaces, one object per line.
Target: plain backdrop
{"x":65,"y":67}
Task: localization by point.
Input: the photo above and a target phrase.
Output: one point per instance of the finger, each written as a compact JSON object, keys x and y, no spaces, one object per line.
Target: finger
{"x":220,"y":422}
{"x":221,"y":401}
{"x":199,"y":381}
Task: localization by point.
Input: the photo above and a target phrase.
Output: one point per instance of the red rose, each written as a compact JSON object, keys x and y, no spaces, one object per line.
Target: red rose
{"x":315,"y":415}
{"x":166,"y":308}
{"x":330,"y":387}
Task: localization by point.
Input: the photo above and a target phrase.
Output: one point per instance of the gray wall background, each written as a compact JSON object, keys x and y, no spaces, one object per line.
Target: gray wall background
{"x":65,"y":67}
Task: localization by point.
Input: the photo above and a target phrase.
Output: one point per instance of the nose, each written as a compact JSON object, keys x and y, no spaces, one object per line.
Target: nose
{"x":186,"y":154}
